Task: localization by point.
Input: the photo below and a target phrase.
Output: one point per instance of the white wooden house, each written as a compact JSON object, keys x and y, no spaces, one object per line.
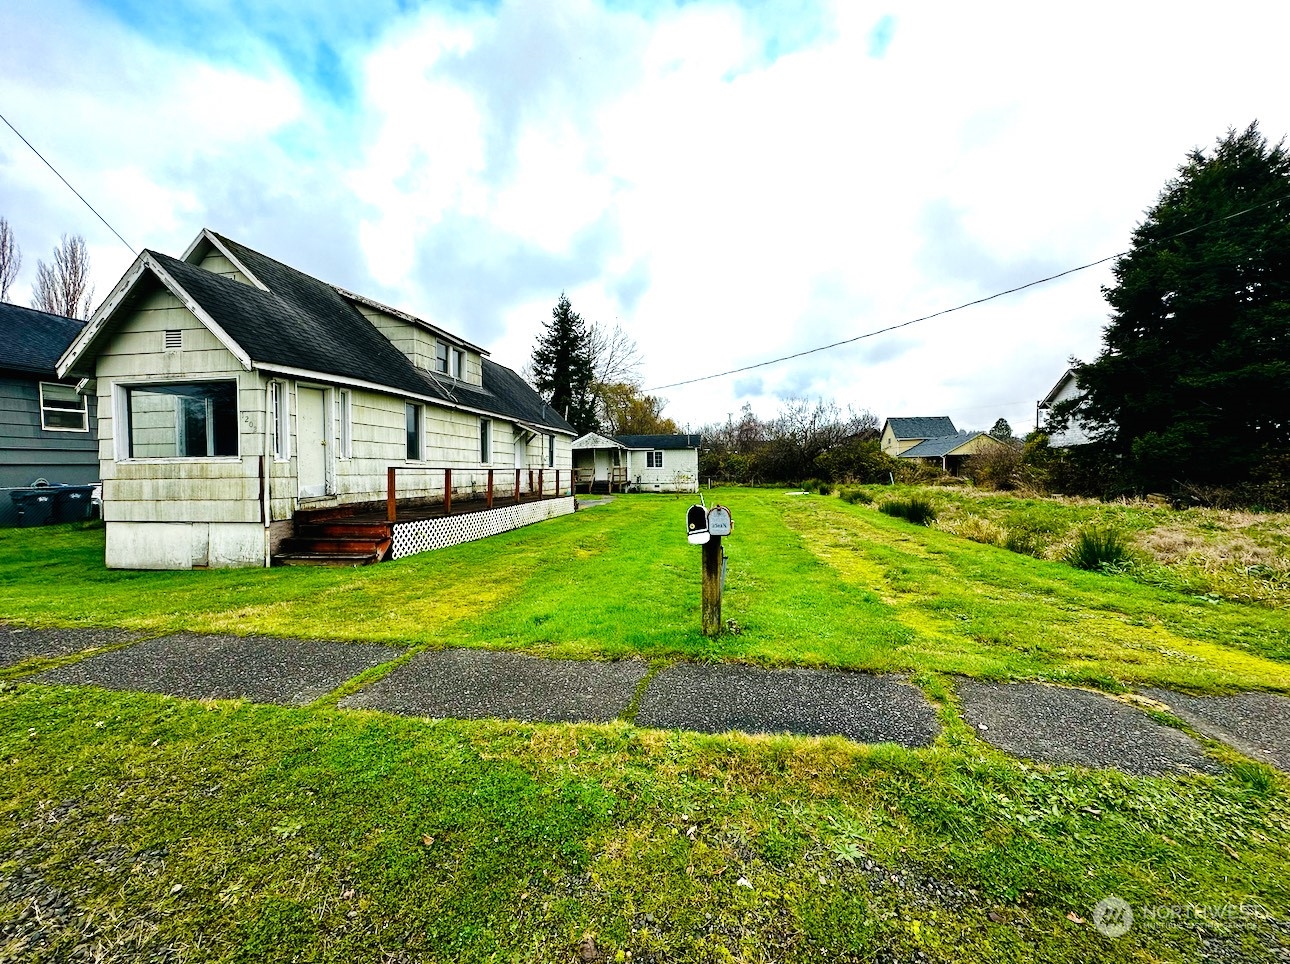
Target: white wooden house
{"x":1069,"y":432}
{"x":645,"y":463}
{"x":236,"y":393}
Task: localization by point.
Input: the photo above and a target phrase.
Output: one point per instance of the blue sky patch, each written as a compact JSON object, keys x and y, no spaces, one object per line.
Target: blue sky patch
{"x":880,"y":36}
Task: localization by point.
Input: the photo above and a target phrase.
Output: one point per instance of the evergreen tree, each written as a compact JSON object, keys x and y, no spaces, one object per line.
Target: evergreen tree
{"x":1002,"y":431}
{"x":1190,"y":385}
{"x":563,"y":368}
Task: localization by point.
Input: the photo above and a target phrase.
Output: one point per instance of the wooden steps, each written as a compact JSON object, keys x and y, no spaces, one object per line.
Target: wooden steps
{"x":335,"y":542}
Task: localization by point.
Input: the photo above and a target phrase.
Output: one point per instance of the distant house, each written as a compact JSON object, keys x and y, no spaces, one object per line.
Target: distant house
{"x":240,"y":397}
{"x":1070,"y":433}
{"x":901,"y":434}
{"x":654,"y":463}
{"x":48,"y":430}
{"x":933,"y":440}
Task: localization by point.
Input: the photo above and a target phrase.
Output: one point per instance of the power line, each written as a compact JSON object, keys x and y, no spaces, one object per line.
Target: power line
{"x":69,"y":186}
{"x":967,"y":304}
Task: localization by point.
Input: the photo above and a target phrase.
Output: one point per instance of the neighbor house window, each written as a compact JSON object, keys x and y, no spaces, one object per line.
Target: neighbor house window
{"x":455,"y":369}
{"x":441,"y":357}
{"x":485,"y":440}
{"x":345,"y":424}
{"x":181,"y":420}
{"x":63,"y":408}
{"x":281,"y":422}
{"x":550,"y":451}
{"x":654,"y":460}
{"x":413,"y":418}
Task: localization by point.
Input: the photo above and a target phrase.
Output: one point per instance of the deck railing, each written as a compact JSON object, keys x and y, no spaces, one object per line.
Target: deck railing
{"x":540,"y":486}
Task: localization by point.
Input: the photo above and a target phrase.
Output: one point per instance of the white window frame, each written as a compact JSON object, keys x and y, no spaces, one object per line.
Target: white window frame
{"x":280,"y":424}
{"x":485,"y":440}
{"x":456,"y":361}
{"x":441,"y":360}
{"x":550,"y":451}
{"x":344,"y":424}
{"x":654,"y":459}
{"x":83,"y":411}
{"x":121,"y":420}
{"x":420,"y":432}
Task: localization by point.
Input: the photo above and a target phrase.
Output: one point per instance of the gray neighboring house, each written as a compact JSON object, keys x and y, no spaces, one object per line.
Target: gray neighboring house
{"x":48,"y":430}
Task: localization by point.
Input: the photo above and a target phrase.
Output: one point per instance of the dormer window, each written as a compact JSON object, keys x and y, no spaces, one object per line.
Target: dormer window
{"x":454,"y":367}
{"x":441,"y":357}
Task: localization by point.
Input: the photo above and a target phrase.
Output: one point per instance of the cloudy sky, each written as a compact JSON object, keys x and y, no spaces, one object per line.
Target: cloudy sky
{"x":730,"y":182}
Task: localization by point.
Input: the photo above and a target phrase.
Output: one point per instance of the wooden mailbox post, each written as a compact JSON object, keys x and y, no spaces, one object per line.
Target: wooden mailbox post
{"x":706,"y":527}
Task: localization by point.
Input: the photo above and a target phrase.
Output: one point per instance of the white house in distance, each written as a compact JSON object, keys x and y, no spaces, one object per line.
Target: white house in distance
{"x":1071,"y":432}
{"x":646,"y":463}
{"x":237,"y":394}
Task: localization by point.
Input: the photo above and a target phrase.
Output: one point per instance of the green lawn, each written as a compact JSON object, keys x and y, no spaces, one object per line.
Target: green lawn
{"x":139,"y":827}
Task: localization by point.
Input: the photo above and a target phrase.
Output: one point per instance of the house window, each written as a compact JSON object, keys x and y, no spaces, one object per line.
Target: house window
{"x":281,"y":422}
{"x":345,"y":424}
{"x":654,"y":460}
{"x":441,"y":357}
{"x":412,"y":414}
{"x":485,"y":440}
{"x":63,"y":408}
{"x":550,"y":451}
{"x":181,"y":420}
{"x":455,"y":369}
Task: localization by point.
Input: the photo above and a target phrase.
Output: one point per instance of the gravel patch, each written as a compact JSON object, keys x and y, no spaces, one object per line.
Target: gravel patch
{"x":1257,"y":724}
{"x":1057,"y":724}
{"x":859,"y":706}
{"x":289,"y":672}
{"x":476,"y":683}
{"x":18,"y":643}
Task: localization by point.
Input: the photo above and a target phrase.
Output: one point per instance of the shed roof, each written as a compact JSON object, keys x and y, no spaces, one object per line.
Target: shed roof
{"x":297,"y":322}
{"x":923,"y":426}
{"x":660,"y":441}
{"x":32,"y":341}
{"x":937,"y":447}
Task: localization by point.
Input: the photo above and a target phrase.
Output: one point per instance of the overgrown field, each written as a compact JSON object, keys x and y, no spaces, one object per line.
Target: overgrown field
{"x":138,"y":827}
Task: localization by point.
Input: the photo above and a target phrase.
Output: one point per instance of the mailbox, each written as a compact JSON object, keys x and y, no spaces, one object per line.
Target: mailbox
{"x":696,"y":525}
{"x":718,"y":521}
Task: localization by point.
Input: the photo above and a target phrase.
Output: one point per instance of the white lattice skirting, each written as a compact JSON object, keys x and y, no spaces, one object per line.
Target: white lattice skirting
{"x":426,"y":534}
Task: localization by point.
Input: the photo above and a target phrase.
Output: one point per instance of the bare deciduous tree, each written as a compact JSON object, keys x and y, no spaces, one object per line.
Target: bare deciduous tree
{"x":10,"y":259}
{"x":615,"y":357}
{"x":64,"y":288}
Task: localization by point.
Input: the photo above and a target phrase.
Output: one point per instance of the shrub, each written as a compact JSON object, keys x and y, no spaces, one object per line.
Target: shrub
{"x":810,"y":485}
{"x":915,"y":509}
{"x":1098,"y":550}
{"x":826,"y":488}
{"x":996,"y":467}
{"x":852,"y":496}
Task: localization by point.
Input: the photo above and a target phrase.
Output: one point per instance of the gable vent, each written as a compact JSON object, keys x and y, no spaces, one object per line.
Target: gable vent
{"x":174,"y":339}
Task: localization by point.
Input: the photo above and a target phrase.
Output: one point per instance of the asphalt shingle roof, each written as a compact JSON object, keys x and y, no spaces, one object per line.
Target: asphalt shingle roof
{"x":659,"y":441}
{"x":304,"y":323}
{"x":936,"y":447}
{"x":934,"y":426}
{"x":33,"y":341}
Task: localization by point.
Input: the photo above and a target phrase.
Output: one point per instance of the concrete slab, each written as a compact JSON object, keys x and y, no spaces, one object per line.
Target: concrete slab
{"x":290,"y":672}
{"x":18,"y":643}
{"x":476,"y":683}
{"x":1257,"y":724}
{"x":1059,"y":724}
{"x":859,"y":706}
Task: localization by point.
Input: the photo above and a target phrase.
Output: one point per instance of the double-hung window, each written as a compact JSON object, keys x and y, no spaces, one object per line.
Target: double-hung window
{"x":550,"y":451}
{"x":281,"y":421}
{"x":413,"y":417}
{"x":63,"y":409}
{"x":454,"y":356}
{"x":345,"y":424}
{"x":441,"y":357}
{"x":180,"y":420}
{"x":485,"y":440}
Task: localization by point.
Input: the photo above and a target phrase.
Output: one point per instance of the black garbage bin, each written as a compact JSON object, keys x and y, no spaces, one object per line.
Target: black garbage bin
{"x":36,"y":505}
{"x":72,"y":503}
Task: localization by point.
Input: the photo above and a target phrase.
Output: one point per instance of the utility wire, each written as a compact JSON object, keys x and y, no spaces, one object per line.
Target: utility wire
{"x":69,"y":186}
{"x":967,"y":304}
